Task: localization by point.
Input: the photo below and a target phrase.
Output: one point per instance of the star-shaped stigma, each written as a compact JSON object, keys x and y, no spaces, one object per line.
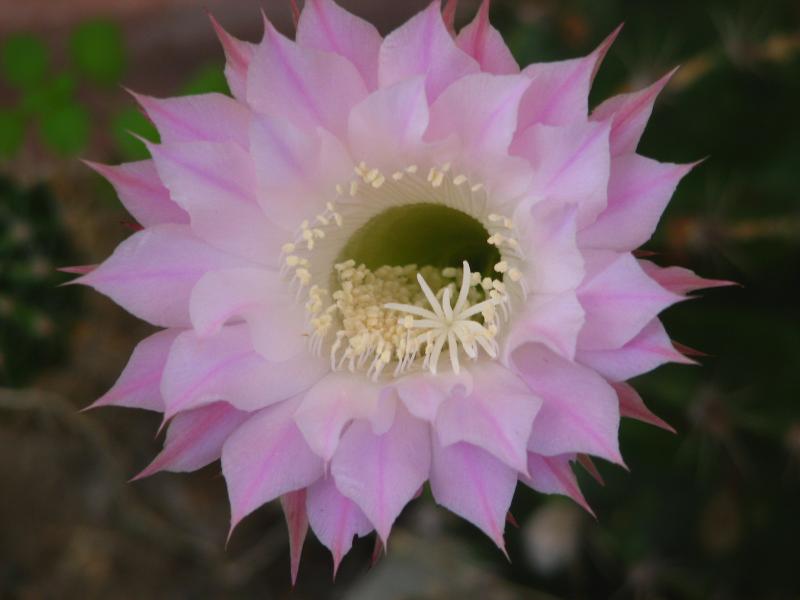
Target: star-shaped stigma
{"x":453,"y":325}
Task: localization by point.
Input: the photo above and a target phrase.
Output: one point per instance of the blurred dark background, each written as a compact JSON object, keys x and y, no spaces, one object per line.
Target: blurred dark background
{"x":711,"y":512}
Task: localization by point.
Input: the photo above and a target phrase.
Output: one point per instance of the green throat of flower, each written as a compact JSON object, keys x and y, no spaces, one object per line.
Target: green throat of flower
{"x":401,"y":270}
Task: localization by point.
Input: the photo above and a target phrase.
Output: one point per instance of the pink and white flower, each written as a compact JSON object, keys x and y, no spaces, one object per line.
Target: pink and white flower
{"x":391,"y":261}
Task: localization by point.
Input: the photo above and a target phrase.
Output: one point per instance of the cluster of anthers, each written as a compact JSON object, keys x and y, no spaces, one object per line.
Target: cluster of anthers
{"x":404,"y":314}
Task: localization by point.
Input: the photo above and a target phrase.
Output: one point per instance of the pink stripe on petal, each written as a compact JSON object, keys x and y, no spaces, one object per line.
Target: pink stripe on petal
{"x":195,"y":439}
{"x":138,"y":385}
{"x":485,"y":44}
{"x":631,"y":405}
{"x":335,"y":519}
{"x":294,"y":510}
{"x":554,"y":475}
{"x":324,"y":25}
{"x":141,"y":192}
{"x":238,"y":54}
{"x":474,"y":485}
{"x":265,"y":458}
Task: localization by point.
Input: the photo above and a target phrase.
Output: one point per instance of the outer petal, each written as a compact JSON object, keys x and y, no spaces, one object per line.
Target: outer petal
{"x":138,"y":385}
{"x":297,"y":169}
{"x":579,"y":411}
{"x":423,"y":46}
{"x":195,"y":438}
{"x":484,"y":43}
{"x":638,"y":192}
{"x":651,"y":348}
{"x":497,"y":416}
{"x":334,"y":402}
{"x":386,"y":129}
{"x":560,"y":91}
{"x":570,"y":165}
{"x":225,"y":367}
{"x":619,"y":300}
{"x":294,"y":509}
{"x":151,"y":274}
{"x":204,"y":117}
{"x":481,"y":110}
{"x":629,"y":114}
{"x":324,"y":25}
{"x":277,"y":325}
{"x":423,"y":393}
{"x":554,"y":475}
{"x":238,"y":55}
{"x":632,"y":406}
{"x":382,"y":473}
{"x":216,"y":184}
{"x":141,"y":192}
{"x":265,"y":458}
{"x":474,"y":485}
{"x":554,"y":264}
{"x":679,"y":280}
{"x":306,"y":86}
{"x":335,"y":519}
{"x":554,"y":320}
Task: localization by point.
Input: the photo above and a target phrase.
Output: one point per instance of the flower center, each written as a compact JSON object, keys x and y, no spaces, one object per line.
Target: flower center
{"x":401,"y":269}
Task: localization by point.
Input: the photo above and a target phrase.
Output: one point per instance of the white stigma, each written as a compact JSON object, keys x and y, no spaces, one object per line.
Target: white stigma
{"x":451,"y":325}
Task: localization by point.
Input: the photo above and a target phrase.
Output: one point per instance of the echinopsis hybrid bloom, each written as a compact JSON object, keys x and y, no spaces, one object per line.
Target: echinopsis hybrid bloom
{"x":392,"y":261}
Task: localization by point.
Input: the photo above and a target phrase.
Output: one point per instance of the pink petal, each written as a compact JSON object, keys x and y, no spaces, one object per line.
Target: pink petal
{"x":275,"y":319}
{"x":238,"y":55}
{"x":139,"y":384}
{"x":579,"y":410}
{"x":679,"y":280}
{"x":554,"y":320}
{"x":638,"y":192}
{"x":474,"y":485}
{"x":559,"y":91}
{"x":651,"y":348}
{"x":423,"y":393}
{"x":204,"y":117}
{"x":423,"y":46}
{"x":632,"y":406}
{"x":266,"y":457}
{"x":481,"y":110}
{"x":547,"y":238}
{"x":195,"y":438}
{"x":225,"y":367}
{"x":297,"y":169}
{"x":335,"y":519}
{"x":484,"y":43}
{"x":152,"y":273}
{"x":382,"y":473}
{"x":334,"y":402}
{"x":294,"y":509}
{"x":386,"y":128}
{"x":629,"y":114}
{"x":570,"y":165}
{"x":308,"y":87}
{"x":497,"y":416}
{"x":216,"y":184}
{"x":324,"y":25}
{"x":141,"y":192}
{"x":554,"y":475}
{"x":619,"y":300}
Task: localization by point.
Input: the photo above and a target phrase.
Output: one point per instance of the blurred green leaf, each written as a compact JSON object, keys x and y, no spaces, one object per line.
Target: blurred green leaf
{"x":24,"y":60}
{"x":132,"y":121}
{"x":66,"y":129}
{"x":208,"y":79}
{"x":12,"y":132}
{"x":51,"y":95}
{"x":97,"y":51}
